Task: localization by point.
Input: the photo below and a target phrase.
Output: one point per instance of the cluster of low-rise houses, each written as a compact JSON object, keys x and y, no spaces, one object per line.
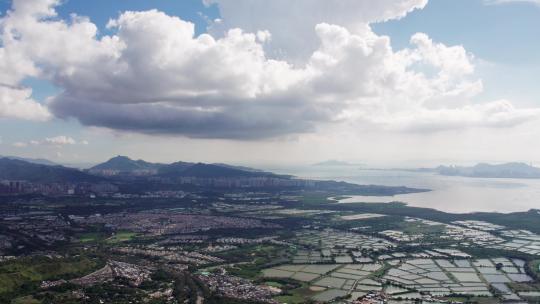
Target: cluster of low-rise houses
{"x":135,"y":274}
{"x":176,"y":255}
{"x":239,"y":288}
{"x":165,"y":223}
{"x":184,"y":239}
{"x":400,"y":236}
{"x":46,"y":227}
{"x":151,"y":194}
{"x":238,"y":182}
{"x":244,"y":241}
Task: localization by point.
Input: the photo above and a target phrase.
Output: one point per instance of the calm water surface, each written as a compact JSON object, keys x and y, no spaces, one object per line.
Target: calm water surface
{"x":450,"y":193}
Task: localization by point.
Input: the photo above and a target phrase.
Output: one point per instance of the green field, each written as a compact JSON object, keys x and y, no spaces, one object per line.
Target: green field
{"x":90,"y":237}
{"x":273,"y":284}
{"x":255,"y":258}
{"x":27,"y":273}
{"x":25,"y":300}
{"x":535,"y":267}
{"x":296,"y":296}
{"x":119,"y":237}
{"x":122,"y":236}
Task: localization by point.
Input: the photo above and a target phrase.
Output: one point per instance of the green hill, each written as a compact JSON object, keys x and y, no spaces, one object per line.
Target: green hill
{"x":14,"y":169}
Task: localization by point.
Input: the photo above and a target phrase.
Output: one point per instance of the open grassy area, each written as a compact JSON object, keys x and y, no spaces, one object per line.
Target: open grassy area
{"x":28,"y":272}
{"x":256,"y":258}
{"x":273,"y":284}
{"x":121,"y":236}
{"x":477,"y":300}
{"x":535,"y":267}
{"x":90,"y":237}
{"x":291,"y":299}
{"x":296,"y":296}
{"x":25,"y":300}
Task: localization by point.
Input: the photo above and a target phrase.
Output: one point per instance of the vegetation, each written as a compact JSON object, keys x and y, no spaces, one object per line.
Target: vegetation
{"x":121,"y":236}
{"x":21,"y":276}
{"x":533,"y":269}
{"x":25,"y":300}
{"x":13,"y":169}
{"x":296,"y":295}
{"x":252,"y":259}
{"x":90,"y":237}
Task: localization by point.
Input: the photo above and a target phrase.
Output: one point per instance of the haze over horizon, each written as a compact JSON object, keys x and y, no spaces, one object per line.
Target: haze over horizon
{"x":396,"y":83}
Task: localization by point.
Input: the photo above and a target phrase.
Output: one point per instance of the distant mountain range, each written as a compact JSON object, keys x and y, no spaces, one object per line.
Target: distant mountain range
{"x":508,"y":170}
{"x":37,"y":170}
{"x":15,"y":169}
{"x":136,"y":175}
{"x":122,"y":165}
{"x":243,"y":168}
{"x":39,"y":161}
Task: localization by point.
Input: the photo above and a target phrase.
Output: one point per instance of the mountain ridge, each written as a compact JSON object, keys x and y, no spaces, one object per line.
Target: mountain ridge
{"x":173,"y":176}
{"x":14,"y":169}
{"x":123,"y":165}
{"x":38,"y":161}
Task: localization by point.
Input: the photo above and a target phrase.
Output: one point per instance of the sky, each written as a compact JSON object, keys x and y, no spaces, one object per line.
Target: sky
{"x":386,"y":83}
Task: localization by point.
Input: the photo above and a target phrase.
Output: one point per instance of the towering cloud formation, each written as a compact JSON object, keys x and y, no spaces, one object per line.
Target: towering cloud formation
{"x":155,"y":76}
{"x":291,"y":23}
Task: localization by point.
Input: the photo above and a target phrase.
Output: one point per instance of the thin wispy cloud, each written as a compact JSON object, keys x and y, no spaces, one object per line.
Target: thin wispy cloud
{"x":56,"y":141}
{"x":499,"y":2}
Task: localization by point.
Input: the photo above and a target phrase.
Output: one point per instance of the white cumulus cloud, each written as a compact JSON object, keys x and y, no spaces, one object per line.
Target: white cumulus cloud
{"x":154,"y":75}
{"x":17,"y":103}
{"x":292,"y":22}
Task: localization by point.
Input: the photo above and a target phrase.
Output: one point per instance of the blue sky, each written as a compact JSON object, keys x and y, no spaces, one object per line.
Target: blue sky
{"x":498,"y":33}
{"x":101,"y":11}
{"x":504,"y":39}
{"x":505,"y":35}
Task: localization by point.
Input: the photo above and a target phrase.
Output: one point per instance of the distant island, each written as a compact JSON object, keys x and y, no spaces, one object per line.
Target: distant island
{"x":483,"y":170}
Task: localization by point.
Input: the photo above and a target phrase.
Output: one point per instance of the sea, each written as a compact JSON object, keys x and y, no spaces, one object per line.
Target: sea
{"x":452,"y":194}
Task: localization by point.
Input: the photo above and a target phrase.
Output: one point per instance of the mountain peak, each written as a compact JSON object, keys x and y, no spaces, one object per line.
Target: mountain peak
{"x":124,"y":164}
